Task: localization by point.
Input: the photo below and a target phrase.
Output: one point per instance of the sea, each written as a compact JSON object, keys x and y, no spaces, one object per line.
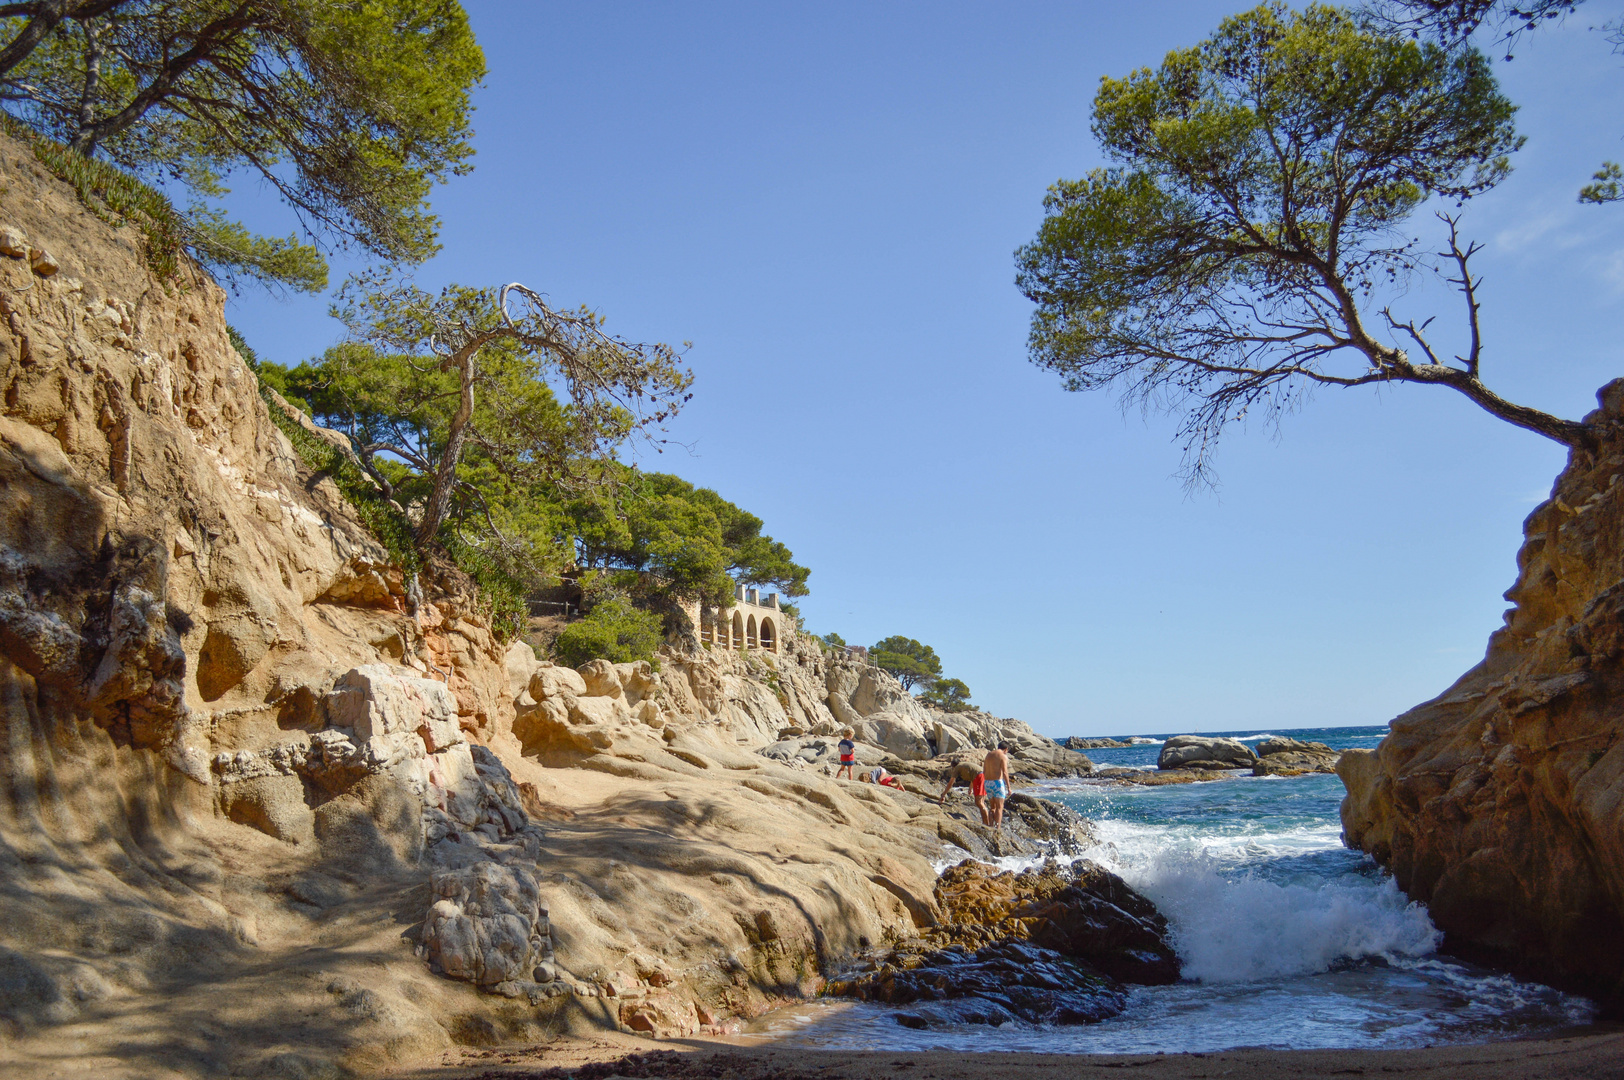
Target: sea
{"x":1288,"y":939}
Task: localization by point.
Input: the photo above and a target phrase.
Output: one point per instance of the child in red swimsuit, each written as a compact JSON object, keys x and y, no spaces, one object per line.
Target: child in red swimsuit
{"x":848,"y":754}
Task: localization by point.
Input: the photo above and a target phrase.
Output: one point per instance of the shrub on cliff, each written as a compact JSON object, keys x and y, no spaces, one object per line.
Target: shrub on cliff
{"x":614,"y":630}
{"x":949,"y":695}
{"x":911,"y":662}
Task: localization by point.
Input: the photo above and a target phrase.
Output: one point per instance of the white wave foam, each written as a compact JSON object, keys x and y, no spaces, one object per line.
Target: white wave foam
{"x":953,"y":855}
{"x":1497,"y":994}
{"x":1126,"y":846}
{"x":1254,"y":738}
{"x":1229,"y":928}
{"x":1140,"y":740}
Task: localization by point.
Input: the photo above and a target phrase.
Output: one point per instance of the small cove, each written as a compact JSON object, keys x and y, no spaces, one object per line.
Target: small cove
{"x":1288,"y":940}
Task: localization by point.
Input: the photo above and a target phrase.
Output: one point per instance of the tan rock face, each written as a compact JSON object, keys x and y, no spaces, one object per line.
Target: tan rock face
{"x":1500,"y":803}
{"x":178,"y":595}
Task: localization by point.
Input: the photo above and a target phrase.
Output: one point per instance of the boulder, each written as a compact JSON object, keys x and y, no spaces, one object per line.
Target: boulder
{"x":897,"y":734}
{"x":274,"y":804}
{"x":1076,"y":743}
{"x":950,"y":740}
{"x":486,"y":925}
{"x":376,"y":700}
{"x":521,"y":663}
{"x":13,"y":242}
{"x":1202,"y":752}
{"x":638,"y":681}
{"x":552,"y":680}
{"x":1087,"y":914}
{"x":1279,"y":744}
{"x":1292,"y":757}
{"x":602,"y":680}
{"x":1034,"y":756}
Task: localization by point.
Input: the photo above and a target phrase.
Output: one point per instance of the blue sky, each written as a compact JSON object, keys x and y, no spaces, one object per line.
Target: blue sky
{"x":824,"y":199}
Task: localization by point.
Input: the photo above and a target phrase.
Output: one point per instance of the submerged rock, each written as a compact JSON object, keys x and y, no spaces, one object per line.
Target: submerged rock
{"x":1010,"y":980}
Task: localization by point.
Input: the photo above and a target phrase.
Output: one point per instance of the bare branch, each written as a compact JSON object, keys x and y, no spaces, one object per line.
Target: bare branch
{"x":1468,"y":287}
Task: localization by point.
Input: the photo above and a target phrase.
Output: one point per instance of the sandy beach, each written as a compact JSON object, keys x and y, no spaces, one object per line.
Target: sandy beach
{"x":1593,"y":1053}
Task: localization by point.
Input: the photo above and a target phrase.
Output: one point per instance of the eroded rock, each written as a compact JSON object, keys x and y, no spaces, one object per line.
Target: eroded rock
{"x":1500,"y":803}
{"x":486,"y":925}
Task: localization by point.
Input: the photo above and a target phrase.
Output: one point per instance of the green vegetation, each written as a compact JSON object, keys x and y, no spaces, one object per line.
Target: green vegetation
{"x":660,"y":539}
{"x":614,"y":630}
{"x":450,"y":404}
{"x":916,"y":664}
{"x":1223,"y":265}
{"x":387,"y":522}
{"x":911,"y":662}
{"x":352,"y":112}
{"x":833,"y":640}
{"x":114,"y":196}
{"x":949,"y":695}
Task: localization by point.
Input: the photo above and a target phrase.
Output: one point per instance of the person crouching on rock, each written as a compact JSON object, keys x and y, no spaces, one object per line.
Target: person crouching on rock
{"x":879,"y":775}
{"x":848,"y":754}
{"x":974,"y":779}
{"x":996,"y":769}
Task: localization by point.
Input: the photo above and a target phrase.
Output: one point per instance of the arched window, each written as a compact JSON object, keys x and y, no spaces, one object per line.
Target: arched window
{"x":707,"y":624}
{"x":738,"y":630}
{"x":750,"y":632}
{"x":767,"y":639}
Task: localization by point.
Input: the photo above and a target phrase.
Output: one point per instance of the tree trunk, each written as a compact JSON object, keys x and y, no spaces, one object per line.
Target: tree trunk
{"x":465,"y":360}
{"x":44,"y":21}
{"x":84,"y":141}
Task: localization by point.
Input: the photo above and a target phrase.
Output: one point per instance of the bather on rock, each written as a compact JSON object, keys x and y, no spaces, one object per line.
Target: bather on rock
{"x":973,"y":778}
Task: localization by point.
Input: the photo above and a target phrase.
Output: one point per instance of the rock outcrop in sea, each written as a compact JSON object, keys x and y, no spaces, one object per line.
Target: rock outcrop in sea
{"x":1500,"y":803}
{"x":271,"y":805}
{"x":1047,"y":946}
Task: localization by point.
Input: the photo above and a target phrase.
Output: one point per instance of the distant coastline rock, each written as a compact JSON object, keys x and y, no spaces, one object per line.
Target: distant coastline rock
{"x":1203,"y":752}
{"x":1075,"y":742}
{"x":1280,"y":756}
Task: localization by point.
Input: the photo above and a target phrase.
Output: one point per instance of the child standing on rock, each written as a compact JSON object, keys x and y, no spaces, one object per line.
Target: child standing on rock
{"x":848,"y":754}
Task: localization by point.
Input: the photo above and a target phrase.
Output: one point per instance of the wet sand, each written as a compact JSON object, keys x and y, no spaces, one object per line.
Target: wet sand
{"x":1593,"y":1053}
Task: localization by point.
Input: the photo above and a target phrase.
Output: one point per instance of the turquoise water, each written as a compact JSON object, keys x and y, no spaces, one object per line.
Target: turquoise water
{"x":1287,"y":938}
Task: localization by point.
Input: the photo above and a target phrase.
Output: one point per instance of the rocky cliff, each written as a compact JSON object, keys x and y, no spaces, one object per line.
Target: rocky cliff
{"x":1500,"y":803}
{"x":271,"y":805}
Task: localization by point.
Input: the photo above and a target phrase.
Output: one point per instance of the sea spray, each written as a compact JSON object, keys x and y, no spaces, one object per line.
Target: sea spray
{"x":1243,"y":928}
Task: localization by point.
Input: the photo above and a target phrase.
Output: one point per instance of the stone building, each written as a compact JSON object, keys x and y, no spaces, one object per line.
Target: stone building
{"x":753,"y":621}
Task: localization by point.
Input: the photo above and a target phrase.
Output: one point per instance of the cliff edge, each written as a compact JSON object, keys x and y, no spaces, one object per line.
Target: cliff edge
{"x":1500,"y":803}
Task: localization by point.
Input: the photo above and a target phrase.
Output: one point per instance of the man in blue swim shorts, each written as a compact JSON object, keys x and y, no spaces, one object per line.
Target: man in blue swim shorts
{"x":996,"y":770}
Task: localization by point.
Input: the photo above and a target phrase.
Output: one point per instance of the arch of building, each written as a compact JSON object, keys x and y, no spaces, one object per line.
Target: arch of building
{"x":741,"y":625}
